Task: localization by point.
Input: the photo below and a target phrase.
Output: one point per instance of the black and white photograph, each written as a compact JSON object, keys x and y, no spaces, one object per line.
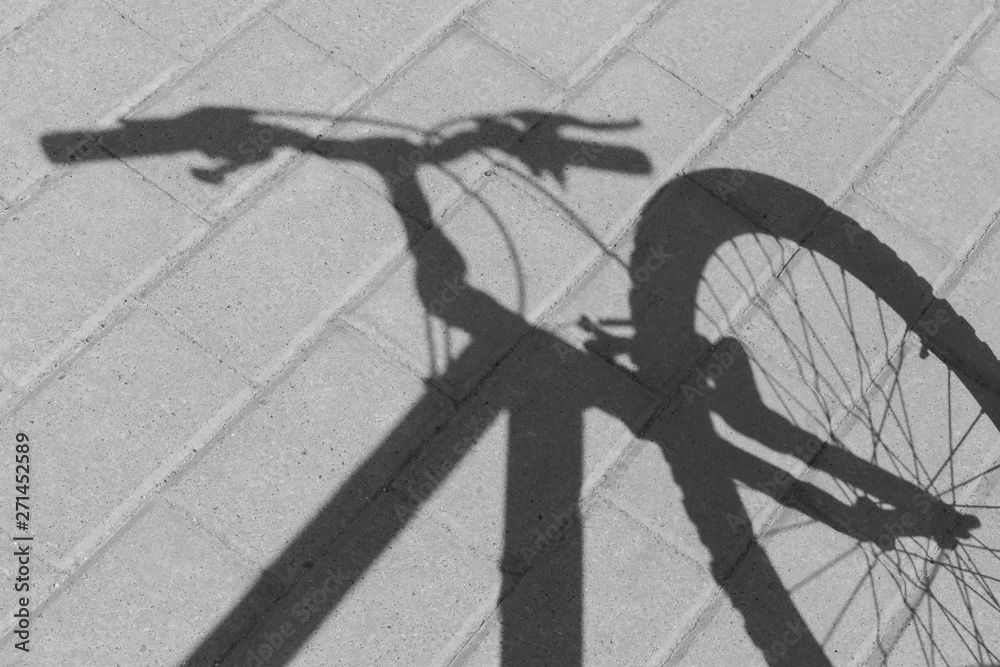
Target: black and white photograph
{"x":500,"y":333}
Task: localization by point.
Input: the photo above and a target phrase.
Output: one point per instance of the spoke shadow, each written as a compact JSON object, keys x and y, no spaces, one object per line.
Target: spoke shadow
{"x":551,"y":384}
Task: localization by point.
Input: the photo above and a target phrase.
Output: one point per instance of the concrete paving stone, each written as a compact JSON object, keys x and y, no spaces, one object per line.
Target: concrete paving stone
{"x":941,"y":177}
{"x":909,"y":244}
{"x":222,"y":110}
{"x":933,"y":635}
{"x":723,"y":642}
{"x":636,"y":595}
{"x":102,"y":427}
{"x":643,"y":487}
{"x":840,"y":591}
{"x":699,"y":264}
{"x":552,"y":418}
{"x":826,"y":326}
{"x":146,"y":600}
{"x":70,"y":253}
{"x":792,"y":394}
{"x":735,"y":433}
{"x":975,"y":297}
{"x":923,"y":427}
{"x":965,"y":578}
{"x":345,"y":407}
{"x":889,"y":48}
{"x":926,"y":429}
{"x":547,"y":252}
{"x":555,"y":38}
{"x":984,"y":60}
{"x":302,"y":249}
{"x":722,"y":48}
{"x":457,"y":89}
{"x":14,"y":14}
{"x":367,"y":603}
{"x":370,"y":37}
{"x":188,"y":30}
{"x":66,"y":72}
{"x":810,"y":129}
{"x":922,"y":423}
{"x":601,"y":173}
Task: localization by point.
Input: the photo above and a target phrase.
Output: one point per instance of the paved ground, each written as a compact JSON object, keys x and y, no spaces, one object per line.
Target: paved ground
{"x":491,"y":332}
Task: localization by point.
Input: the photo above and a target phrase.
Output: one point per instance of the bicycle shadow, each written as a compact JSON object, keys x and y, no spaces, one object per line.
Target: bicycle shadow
{"x":550,"y":384}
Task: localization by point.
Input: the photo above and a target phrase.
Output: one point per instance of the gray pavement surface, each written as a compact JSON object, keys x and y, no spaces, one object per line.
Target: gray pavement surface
{"x":496,"y":332}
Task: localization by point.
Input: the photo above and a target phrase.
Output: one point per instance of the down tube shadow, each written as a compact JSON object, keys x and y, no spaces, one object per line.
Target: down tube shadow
{"x":545,"y":463}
